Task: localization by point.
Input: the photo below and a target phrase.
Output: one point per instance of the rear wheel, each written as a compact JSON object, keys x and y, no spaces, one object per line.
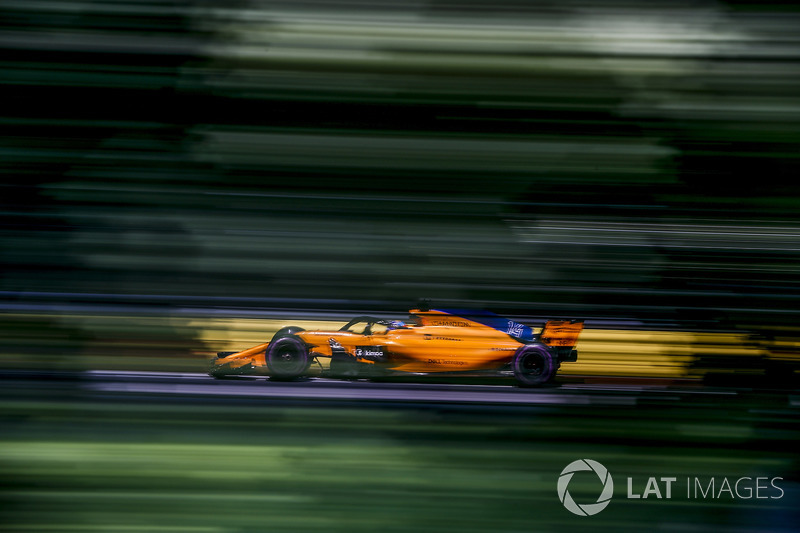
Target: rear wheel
{"x":534,"y":365}
{"x":287,"y":358}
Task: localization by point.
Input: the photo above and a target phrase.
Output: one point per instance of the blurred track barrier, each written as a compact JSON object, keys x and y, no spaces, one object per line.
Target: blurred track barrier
{"x":653,"y":353}
{"x":632,"y":353}
{"x":181,"y":343}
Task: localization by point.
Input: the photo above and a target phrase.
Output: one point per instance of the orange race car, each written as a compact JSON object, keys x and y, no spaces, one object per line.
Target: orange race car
{"x":434,"y":340}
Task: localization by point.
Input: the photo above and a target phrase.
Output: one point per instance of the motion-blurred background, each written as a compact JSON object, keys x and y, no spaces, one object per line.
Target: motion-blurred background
{"x":180,"y":177}
{"x":626,"y":160}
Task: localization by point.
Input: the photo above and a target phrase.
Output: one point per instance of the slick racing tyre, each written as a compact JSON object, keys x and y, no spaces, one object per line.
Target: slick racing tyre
{"x":534,"y":365}
{"x":287,"y":358}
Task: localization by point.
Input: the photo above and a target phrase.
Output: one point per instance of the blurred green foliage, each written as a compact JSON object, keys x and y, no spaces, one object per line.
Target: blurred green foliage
{"x":329,"y":155}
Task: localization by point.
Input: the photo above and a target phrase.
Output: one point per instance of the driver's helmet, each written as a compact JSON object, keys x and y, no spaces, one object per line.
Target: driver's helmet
{"x":394,"y":324}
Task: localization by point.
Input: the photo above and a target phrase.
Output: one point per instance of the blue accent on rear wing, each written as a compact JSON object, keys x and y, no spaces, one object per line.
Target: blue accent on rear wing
{"x":487,"y":318}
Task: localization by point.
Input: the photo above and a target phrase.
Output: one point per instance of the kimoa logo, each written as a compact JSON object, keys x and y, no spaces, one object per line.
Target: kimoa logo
{"x":587,"y":509}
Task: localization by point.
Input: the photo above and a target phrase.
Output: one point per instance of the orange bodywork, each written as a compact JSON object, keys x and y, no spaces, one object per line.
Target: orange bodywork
{"x":435,"y":341}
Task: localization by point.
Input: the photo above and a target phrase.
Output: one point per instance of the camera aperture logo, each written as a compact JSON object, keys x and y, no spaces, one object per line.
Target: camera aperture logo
{"x":587,"y":509}
{"x":664,"y":487}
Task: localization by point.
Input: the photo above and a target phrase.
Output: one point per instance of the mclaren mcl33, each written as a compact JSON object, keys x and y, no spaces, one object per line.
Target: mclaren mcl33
{"x":433,"y":341}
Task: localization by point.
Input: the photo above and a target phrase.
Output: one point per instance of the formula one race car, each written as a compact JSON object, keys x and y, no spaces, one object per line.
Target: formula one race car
{"x":435,"y":340}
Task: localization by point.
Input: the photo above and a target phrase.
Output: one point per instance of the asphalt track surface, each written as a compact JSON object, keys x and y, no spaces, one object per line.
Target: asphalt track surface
{"x":197,"y":385}
{"x":497,"y":393}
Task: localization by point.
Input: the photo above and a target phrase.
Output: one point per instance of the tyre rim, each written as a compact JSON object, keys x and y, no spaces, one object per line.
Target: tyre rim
{"x":533,"y":365}
{"x":288,"y":361}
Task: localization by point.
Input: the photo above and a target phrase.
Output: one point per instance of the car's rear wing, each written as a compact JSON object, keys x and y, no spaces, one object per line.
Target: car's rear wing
{"x":561,"y":332}
{"x":562,"y":336}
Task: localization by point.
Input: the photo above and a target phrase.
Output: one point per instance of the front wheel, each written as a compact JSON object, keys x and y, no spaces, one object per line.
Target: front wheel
{"x":534,"y":365}
{"x":287,"y":358}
